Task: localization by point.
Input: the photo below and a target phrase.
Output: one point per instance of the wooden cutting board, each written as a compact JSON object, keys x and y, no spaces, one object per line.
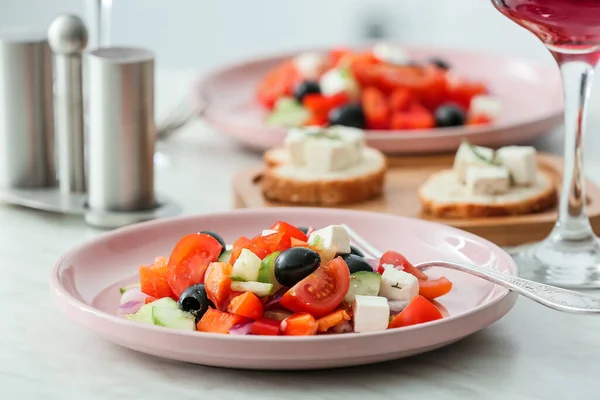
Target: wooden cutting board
{"x":403,"y":179}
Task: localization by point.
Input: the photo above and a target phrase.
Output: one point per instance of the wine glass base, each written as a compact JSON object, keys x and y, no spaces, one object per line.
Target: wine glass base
{"x":567,"y":264}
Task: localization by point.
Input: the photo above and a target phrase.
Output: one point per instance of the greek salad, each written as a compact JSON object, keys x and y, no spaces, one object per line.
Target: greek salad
{"x":381,"y":88}
{"x":285,"y":281}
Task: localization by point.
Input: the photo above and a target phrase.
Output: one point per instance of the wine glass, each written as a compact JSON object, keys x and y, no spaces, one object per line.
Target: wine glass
{"x":570,"y":29}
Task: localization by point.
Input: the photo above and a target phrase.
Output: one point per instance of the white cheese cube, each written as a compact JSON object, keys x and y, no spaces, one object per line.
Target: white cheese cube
{"x":267,"y":232}
{"x":398,"y":285}
{"x":337,"y":81}
{"x":246,"y":266}
{"x":390,"y":53}
{"x":328,"y":152}
{"x":465,"y":157}
{"x":331,"y":237}
{"x":521,"y":162}
{"x":486,"y":105}
{"x":311,"y":65}
{"x":489,"y":180}
{"x":294,"y":143}
{"x":370,"y":313}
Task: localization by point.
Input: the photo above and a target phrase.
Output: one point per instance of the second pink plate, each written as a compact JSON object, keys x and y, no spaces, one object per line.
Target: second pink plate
{"x":531,"y":95}
{"x":85,"y":284}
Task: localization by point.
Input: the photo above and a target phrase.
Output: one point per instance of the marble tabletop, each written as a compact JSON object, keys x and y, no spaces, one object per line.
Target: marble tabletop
{"x":532,"y":353}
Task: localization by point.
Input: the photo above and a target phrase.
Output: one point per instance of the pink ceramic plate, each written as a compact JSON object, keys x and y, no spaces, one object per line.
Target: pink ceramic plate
{"x":85,"y":284}
{"x":531,"y":95}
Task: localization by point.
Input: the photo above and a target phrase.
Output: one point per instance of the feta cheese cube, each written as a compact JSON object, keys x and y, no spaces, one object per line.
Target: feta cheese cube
{"x":370,"y":313}
{"x":331,"y":237}
{"x":398,"y":285}
{"x":246,"y":266}
{"x":486,"y":105}
{"x":465,"y":157}
{"x":328,"y":151}
{"x":294,"y":144}
{"x":311,"y":65}
{"x":390,"y":53}
{"x":521,"y":162}
{"x":488,"y":180}
{"x":337,"y":81}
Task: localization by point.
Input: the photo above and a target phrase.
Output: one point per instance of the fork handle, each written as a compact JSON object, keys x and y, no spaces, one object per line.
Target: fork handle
{"x":550,"y":296}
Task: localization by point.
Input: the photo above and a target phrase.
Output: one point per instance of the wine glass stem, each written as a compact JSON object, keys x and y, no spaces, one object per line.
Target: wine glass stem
{"x":573,"y":223}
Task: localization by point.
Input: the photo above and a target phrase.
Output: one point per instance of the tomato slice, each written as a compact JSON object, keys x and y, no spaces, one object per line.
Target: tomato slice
{"x":302,"y":324}
{"x":153,"y":279}
{"x":278,"y":82}
{"x":418,"y":311}
{"x":218,"y":284}
{"x":400,"y":100}
{"x":376,"y":109}
{"x":316,"y":120}
{"x":412,"y":120}
{"x":289,"y":230}
{"x":329,"y":321}
{"x":189,"y":260}
{"x":434,"y":288}
{"x":237,"y":248}
{"x":398,"y":260}
{"x":247,"y":305}
{"x":266,"y":327}
{"x":462,"y":92}
{"x":215,"y":321}
{"x":320,"y":105}
{"x":321,"y":292}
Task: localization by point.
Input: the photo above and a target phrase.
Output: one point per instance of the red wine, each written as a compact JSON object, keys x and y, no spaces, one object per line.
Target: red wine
{"x":566,"y":26}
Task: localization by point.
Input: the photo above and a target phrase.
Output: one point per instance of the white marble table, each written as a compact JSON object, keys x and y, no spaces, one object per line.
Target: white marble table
{"x":532,"y":353}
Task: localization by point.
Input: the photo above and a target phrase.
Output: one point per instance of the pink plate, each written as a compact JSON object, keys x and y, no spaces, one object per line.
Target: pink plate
{"x":85,"y":284}
{"x":531,"y":95}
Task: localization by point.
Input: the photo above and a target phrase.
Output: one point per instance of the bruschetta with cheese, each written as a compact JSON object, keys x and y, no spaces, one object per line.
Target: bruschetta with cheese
{"x":323,"y":166}
{"x":487,"y":183}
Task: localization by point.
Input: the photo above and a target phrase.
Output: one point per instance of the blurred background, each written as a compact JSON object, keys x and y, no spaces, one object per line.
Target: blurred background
{"x":201,"y":34}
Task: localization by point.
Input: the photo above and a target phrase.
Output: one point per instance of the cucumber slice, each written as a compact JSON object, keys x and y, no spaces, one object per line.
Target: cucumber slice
{"x":224,"y":257}
{"x":266,"y":273}
{"x":126,"y":288}
{"x":258,"y":288}
{"x":288,"y":113}
{"x":144,"y":314}
{"x":246,"y":266}
{"x":173,"y":318}
{"x":363,"y":283}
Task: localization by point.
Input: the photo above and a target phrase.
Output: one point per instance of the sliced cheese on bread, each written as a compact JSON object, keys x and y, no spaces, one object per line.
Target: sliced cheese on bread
{"x":444,"y":195}
{"x":289,"y":183}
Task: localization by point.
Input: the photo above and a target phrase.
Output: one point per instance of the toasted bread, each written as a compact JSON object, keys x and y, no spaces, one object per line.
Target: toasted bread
{"x":291,"y":184}
{"x":442,"y":195}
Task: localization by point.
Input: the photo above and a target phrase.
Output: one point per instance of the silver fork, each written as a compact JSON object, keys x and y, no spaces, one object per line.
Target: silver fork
{"x":549,"y":296}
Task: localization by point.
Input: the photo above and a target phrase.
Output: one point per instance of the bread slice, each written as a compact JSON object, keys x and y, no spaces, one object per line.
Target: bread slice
{"x":442,"y":195}
{"x":291,"y":184}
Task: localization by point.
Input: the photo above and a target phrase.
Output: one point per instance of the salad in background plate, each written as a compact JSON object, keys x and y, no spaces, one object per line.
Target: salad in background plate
{"x":285,"y":281}
{"x":380,"y":89}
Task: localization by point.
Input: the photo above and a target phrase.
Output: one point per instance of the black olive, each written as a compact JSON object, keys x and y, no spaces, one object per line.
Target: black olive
{"x":438,"y":62}
{"x":295,"y":264}
{"x":448,"y":115}
{"x":303,"y":229}
{"x":306,"y":87}
{"x":354,"y":250}
{"x":195,"y":300}
{"x":351,"y":115}
{"x":219,"y":239}
{"x":356,"y":263}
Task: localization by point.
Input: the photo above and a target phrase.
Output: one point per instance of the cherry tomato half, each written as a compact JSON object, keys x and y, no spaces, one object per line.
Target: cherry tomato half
{"x":279,"y":82}
{"x":189,"y":260}
{"x":320,"y":292}
{"x":418,"y":311}
{"x":398,"y":260}
{"x":376,"y":109}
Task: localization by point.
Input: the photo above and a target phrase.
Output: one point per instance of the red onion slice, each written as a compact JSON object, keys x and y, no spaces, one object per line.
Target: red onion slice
{"x":274,"y":300}
{"x":133,"y":294}
{"x":131,"y":307}
{"x":243,"y":328}
{"x":343,"y":327}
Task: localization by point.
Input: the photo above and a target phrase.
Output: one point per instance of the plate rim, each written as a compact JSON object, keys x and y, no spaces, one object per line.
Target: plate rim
{"x":61,"y":293}
{"x":555,"y":115}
